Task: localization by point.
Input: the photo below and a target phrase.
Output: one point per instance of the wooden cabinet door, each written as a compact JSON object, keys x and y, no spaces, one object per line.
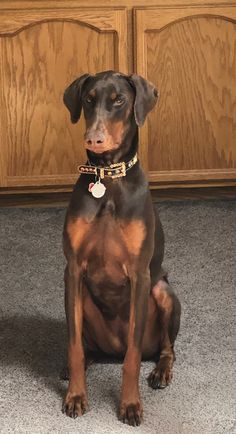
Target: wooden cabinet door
{"x":41,"y":52}
{"x":190,"y":54}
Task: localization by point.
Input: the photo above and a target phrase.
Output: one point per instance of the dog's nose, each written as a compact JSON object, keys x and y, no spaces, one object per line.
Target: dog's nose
{"x":93,"y":138}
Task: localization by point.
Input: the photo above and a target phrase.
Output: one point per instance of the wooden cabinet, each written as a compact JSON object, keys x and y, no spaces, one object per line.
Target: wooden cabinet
{"x":190,"y":54}
{"x":188,"y":51}
{"x":41,"y":52}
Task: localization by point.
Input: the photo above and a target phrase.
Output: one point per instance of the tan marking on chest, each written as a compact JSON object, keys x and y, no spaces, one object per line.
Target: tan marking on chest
{"x":134,"y":234}
{"x":77,"y":229}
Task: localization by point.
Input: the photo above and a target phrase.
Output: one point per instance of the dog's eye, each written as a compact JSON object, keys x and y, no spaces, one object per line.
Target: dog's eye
{"x":88,"y":99}
{"x":118,"y":101}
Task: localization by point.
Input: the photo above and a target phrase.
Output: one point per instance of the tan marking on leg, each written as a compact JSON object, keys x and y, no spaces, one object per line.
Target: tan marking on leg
{"x":75,"y":403}
{"x":161,"y":375}
{"x":162,"y":297}
{"x":76,"y":351}
{"x":131,"y":410}
{"x":131,"y":368}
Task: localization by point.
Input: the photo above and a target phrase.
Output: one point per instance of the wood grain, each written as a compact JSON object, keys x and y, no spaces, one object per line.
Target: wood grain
{"x":193,"y":63}
{"x":194,"y":126}
{"x":57,"y":4}
{"x":187,"y":49}
{"x":37,"y":64}
{"x":100,"y":19}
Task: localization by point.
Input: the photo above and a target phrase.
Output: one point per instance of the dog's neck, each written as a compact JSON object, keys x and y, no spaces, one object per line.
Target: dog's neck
{"x":126,"y":152}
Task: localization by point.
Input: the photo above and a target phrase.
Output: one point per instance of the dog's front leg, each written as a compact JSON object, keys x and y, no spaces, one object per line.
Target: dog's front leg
{"x":75,"y":402}
{"x":131,"y":407}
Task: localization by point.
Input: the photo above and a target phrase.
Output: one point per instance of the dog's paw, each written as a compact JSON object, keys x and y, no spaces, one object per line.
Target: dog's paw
{"x":75,"y":406}
{"x":161,"y":376}
{"x":131,"y":414}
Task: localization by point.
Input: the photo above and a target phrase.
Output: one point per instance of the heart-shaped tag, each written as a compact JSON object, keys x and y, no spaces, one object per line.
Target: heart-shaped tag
{"x":90,"y":186}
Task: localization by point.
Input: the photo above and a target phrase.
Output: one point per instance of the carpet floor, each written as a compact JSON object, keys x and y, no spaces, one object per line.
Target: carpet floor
{"x":200,"y":257}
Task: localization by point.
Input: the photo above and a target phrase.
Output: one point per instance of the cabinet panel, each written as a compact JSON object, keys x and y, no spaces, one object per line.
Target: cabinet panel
{"x":38,"y":60}
{"x":190,"y":54}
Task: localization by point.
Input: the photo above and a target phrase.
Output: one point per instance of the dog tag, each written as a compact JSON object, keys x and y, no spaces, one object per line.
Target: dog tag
{"x":98,"y":189}
{"x":90,"y":186}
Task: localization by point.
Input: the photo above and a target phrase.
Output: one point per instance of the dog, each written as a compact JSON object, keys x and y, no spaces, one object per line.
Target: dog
{"x":118,"y":301}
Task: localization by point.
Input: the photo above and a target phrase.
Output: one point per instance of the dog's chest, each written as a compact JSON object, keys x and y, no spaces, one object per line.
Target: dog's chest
{"x":108,"y":247}
{"x":106,"y":236}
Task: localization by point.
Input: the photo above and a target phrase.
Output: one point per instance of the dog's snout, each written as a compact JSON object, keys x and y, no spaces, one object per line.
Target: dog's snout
{"x":94,"y":137}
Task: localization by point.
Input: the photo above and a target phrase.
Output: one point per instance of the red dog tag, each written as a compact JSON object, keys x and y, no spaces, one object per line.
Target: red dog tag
{"x":90,"y":186}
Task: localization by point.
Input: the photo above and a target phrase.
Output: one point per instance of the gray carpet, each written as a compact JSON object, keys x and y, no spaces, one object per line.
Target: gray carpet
{"x":200,"y":257}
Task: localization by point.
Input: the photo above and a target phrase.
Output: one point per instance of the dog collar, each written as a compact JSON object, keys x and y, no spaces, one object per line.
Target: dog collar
{"x":116,"y":170}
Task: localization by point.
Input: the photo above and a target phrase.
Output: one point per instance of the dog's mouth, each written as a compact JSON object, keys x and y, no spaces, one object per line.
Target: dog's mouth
{"x":107,"y":138}
{"x":101,"y":148}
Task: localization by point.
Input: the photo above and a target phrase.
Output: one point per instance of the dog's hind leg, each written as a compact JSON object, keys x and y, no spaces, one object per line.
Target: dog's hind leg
{"x":168,"y":311}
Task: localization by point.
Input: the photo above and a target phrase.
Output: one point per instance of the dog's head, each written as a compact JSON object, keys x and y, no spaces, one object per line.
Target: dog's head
{"x":112,"y":104}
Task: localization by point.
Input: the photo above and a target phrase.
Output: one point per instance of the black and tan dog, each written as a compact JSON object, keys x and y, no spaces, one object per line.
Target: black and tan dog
{"x":118,"y":300}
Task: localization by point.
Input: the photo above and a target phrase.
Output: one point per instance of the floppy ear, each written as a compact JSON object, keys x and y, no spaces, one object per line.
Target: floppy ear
{"x":72,"y":97}
{"x":146,"y":97}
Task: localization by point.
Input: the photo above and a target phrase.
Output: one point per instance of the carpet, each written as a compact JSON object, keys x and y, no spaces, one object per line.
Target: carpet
{"x":200,"y":257}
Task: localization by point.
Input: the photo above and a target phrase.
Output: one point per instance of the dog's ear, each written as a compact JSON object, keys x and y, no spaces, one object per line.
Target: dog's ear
{"x":145,"y":99}
{"x":72,"y":97}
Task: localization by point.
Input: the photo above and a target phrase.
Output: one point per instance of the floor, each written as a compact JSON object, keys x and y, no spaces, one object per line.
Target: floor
{"x":200,"y":257}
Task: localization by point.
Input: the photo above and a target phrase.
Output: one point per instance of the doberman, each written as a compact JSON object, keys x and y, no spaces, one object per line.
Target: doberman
{"x":117,"y":297}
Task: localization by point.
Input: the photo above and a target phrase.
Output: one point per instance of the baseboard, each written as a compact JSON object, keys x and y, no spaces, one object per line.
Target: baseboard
{"x":62,"y":198}
{"x":203,"y":193}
